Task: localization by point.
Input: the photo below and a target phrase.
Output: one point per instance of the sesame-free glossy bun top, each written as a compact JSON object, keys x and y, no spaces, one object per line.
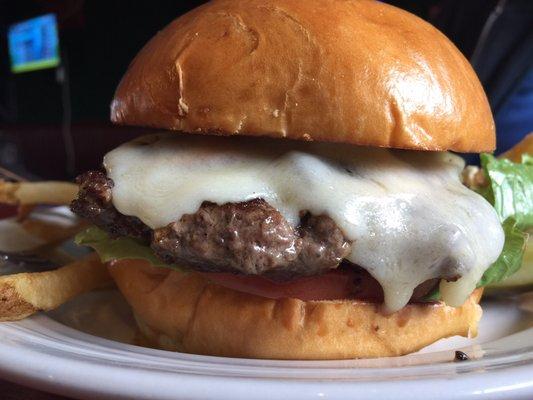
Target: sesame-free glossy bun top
{"x":349,"y":71}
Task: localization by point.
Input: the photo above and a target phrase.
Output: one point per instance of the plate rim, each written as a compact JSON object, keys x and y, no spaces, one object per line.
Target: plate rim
{"x":76,"y":376}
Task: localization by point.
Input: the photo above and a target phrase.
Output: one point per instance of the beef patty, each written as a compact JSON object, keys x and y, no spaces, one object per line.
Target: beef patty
{"x":249,"y":237}
{"x":94,"y":204}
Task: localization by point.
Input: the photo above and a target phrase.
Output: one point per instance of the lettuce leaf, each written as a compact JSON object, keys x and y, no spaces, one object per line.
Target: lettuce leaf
{"x":511,"y":192}
{"x":510,"y":189}
{"x":524,"y":276}
{"x":507,"y":264}
{"x":116,"y":249}
{"x":510,"y":259}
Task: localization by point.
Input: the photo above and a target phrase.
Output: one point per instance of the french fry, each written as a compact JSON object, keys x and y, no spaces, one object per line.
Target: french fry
{"x":38,"y":233}
{"x":47,"y":192}
{"x":525,"y":146}
{"x":50,"y":232}
{"x":22,"y":295}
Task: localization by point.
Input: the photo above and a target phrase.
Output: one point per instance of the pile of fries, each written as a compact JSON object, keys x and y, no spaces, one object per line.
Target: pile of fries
{"x":23,"y":294}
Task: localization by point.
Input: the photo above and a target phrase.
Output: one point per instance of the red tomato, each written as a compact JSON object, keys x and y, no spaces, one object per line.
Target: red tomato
{"x":333,"y":285}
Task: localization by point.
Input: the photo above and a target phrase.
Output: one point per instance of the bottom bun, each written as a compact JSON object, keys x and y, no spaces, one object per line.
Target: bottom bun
{"x":185,"y":312}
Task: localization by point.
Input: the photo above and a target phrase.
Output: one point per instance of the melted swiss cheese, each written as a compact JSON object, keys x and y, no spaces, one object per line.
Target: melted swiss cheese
{"x":408,"y":214}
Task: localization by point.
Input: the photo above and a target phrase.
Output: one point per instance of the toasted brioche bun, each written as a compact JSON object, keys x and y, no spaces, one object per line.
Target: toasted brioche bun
{"x":186,"y":312}
{"x":359,"y":72}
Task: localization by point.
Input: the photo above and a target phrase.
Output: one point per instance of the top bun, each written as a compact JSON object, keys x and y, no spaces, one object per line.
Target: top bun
{"x":359,"y":72}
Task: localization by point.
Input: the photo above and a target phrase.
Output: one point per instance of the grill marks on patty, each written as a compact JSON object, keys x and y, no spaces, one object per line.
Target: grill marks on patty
{"x":249,"y":237}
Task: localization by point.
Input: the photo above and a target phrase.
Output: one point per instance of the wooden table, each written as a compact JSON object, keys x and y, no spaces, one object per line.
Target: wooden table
{"x":10,"y":391}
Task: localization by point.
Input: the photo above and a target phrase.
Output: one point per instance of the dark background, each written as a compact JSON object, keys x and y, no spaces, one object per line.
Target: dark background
{"x":98,"y":39}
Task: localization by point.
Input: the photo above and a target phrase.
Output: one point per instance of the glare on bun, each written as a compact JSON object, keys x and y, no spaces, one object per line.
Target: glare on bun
{"x":359,"y":72}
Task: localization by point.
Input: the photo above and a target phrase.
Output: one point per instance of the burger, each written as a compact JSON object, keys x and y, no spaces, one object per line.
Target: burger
{"x":300,"y":198}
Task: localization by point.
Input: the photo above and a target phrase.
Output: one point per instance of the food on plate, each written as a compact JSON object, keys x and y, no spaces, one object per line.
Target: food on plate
{"x":32,"y":193}
{"x":50,"y":232}
{"x":35,"y":234}
{"x":522,"y":153}
{"x":508,"y":186}
{"x":523,"y":278}
{"x":343,"y":228}
{"x":24,"y":294}
{"x":22,"y":230}
{"x":303,"y":200}
{"x":29,"y":281}
{"x":25,"y":196}
{"x":523,"y":148}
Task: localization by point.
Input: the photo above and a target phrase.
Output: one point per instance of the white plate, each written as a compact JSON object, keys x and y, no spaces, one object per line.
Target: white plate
{"x":48,"y":354}
{"x":83,"y":350}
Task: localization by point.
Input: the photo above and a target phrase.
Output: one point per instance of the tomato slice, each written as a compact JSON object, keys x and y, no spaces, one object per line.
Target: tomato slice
{"x":349,"y":283}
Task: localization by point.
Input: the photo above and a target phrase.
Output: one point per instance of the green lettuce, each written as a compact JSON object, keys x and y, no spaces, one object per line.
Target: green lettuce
{"x":120,"y":248}
{"x":510,"y":188}
{"x":510,"y":191}
{"x":524,"y":276}
{"x":510,"y":259}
